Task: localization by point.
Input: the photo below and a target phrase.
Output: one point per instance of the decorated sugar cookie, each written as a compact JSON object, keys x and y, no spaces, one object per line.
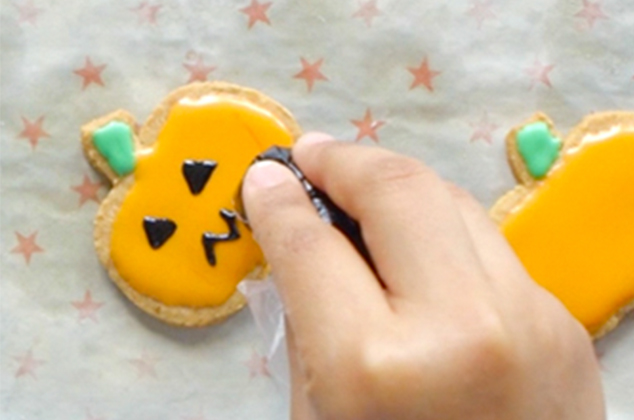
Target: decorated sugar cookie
{"x":168,"y":232}
{"x":571,"y":218}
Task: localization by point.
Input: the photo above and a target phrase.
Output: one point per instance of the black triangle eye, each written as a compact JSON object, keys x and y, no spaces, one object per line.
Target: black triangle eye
{"x":197,"y":173}
{"x":158,"y":231}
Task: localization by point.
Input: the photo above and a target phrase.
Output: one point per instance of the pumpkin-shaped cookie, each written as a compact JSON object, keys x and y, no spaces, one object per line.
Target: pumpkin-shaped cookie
{"x":571,"y":219}
{"x":168,"y":232}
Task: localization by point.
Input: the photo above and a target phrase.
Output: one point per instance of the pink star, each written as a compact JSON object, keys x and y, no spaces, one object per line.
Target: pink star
{"x":258,"y":365}
{"x":87,"y":308}
{"x":539,"y":73}
{"x":367,"y":11}
{"x":481,"y":11}
{"x":33,"y":131}
{"x":423,"y":75}
{"x":90,"y":73}
{"x":311,"y":72}
{"x":87,"y":190}
{"x":368,"y":127}
{"x":28,"y":364}
{"x":147,"y":12}
{"x":483,"y":129}
{"x":145,"y":365}
{"x":28,"y":12}
{"x":26,"y":246}
{"x":257,"y":12}
{"x":198,"y":71}
{"x":591,"y":12}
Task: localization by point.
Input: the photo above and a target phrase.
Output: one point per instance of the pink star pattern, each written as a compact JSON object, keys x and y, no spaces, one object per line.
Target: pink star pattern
{"x":41,"y":127}
{"x":311,"y":72}
{"x":592,"y":12}
{"x":483,"y":129}
{"x":481,"y":11}
{"x":368,"y":10}
{"x":147,"y":12}
{"x":423,"y":75}
{"x":368,"y":127}
{"x":539,"y":73}
{"x":87,"y":190}
{"x":145,"y":365}
{"x":28,"y":12}
{"x":257,"y":12}
{"x":27,"y":246}
{"x":258,"y":365}
{"x":87,"y":308}
{"x":90,"y":73}
{"x":198,"y":71}
{"x":33,"y":131}
{"x":28,"y":364}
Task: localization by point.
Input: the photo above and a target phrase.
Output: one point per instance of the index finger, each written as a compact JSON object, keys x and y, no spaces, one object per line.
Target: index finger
{"x":409,"y":221}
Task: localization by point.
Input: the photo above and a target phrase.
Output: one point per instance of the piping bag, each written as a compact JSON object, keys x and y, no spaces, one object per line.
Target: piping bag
{"x":328,"y":211}
{"x":262,"y":297}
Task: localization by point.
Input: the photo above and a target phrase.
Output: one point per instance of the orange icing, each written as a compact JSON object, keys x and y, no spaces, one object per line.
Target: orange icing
{"x":575,"y":232}
{"x":229,"y":132}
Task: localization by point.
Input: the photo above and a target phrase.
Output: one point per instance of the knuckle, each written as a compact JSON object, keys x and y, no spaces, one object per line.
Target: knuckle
{"x":376,"y":367}
{"x":489,"y":348}
{"x":382,"y":369}
{"x":380,"y":361}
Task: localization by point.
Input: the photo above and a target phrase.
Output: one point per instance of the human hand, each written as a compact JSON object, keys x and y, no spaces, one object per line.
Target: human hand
{"x":455,"y":329}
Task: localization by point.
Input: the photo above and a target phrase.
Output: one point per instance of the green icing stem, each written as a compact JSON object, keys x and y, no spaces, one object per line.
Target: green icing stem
{"x":538,"y":147}
{"x":114,"y":143}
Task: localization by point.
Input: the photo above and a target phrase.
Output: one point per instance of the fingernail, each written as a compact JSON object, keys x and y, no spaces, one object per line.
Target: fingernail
{"x":266,"y":174}
{"x":314,"y":138}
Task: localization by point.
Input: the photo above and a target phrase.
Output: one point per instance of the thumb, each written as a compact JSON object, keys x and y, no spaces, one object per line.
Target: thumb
{"x":319,"y":274}
{"x":274,"y":202}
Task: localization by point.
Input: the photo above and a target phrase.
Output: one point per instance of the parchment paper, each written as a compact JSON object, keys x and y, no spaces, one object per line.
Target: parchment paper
{"x":441,"y":81}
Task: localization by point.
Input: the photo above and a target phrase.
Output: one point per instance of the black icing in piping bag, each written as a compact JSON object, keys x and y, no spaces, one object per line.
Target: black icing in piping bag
{"x":327,"y":210}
